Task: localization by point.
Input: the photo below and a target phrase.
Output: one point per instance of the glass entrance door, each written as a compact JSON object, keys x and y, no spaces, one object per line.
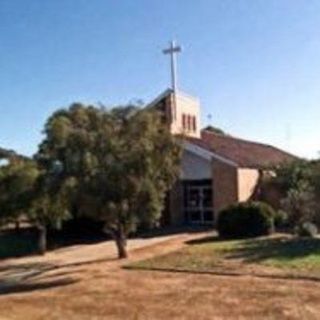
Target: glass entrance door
{"x":198,"y":203}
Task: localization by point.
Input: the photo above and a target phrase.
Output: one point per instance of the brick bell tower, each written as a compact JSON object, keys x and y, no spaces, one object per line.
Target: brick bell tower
{"x":180,"y":111}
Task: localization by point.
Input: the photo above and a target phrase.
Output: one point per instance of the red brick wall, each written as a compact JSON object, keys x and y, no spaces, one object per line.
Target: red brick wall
{"x":225,"y":185}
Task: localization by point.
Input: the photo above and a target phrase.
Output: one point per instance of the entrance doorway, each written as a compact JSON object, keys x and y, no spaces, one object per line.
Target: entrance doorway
{"x":198,"y":204}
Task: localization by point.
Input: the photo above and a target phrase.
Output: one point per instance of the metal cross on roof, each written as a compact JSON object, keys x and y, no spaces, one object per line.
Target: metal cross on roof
{"x":173,"y":50}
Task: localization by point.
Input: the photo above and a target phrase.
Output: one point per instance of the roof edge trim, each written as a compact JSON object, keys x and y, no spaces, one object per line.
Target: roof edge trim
{"x":205,"y":154}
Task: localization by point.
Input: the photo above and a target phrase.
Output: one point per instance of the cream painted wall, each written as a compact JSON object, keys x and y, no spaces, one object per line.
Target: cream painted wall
{"x":247,"y":182}
{"x":185,"y":105}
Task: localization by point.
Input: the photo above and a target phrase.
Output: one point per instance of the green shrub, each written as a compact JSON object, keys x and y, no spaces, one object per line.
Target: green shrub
{"x":245,"y":220}
{"x":306,"y":229}
{"x":280,"y":219}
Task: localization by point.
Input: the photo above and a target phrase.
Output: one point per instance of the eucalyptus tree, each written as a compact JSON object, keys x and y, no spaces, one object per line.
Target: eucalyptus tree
{"x":122,"y":162}
{"x":49,"y":205}
{"x":17,"y":179}
{"x":299,"y":182}
{"x":30,"y":191}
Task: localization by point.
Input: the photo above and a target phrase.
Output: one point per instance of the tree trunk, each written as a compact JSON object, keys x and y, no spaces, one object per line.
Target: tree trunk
{"x":42,"y":239}
{"x":17,"y":225}
{"x":121,"y":242}
{"x":122,"y":248}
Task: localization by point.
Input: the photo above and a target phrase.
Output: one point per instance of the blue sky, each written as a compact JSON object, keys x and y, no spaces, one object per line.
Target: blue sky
{"x":254,"y":64}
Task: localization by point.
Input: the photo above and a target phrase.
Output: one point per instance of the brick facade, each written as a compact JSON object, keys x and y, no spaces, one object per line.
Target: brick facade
{"x":232,"y":164}
{"x":225,"y":185}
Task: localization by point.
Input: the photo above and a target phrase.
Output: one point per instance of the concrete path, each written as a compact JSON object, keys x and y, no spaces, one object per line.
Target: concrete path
{"x":16,"y":270}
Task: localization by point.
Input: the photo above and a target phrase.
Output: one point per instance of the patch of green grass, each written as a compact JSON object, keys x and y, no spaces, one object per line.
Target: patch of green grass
{"x":283,"y":253}
{"x":195,"y":257}
{"x":286,"y":253}
{"x":15,"y":244}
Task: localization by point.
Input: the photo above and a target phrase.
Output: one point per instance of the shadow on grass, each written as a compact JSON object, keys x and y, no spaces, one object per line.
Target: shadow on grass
{"x":33,"y":276}
{"x":204,"y":240}
{"x":29,"y":287}
{"x":38,"y":268}
{"x":283,"y":248}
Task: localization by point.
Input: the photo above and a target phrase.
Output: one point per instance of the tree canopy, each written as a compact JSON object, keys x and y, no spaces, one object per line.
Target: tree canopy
{"x":299,"y":182}
{"x":17,"y":179}
{"x":30,"y":191}
{"x":120,"y":163}
{"x":215,"y":130}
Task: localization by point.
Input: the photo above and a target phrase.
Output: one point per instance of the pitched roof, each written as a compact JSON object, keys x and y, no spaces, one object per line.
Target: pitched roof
{"x":246,"y":154}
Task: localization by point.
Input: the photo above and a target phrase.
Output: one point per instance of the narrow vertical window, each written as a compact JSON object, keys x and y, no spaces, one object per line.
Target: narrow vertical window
{"x":189,"y":122}
{"x":184,"y":120}
{"x":194,"y":123}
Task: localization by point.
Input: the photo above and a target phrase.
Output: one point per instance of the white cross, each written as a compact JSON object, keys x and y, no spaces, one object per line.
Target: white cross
{"x":172,"y":50}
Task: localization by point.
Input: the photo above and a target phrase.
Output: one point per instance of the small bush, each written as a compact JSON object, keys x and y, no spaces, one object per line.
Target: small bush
{"x":306,"y":229}
{"x":280,"y":219}
{"x":246,"y":220}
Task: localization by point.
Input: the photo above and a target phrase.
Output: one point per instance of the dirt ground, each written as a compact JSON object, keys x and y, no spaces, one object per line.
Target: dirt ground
{"x":86,"y":282}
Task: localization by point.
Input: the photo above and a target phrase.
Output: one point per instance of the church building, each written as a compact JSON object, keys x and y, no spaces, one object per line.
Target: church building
{"x":217,"y":170}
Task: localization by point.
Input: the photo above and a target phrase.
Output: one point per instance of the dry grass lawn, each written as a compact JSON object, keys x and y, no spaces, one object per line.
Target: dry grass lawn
{"x":75,"y":284}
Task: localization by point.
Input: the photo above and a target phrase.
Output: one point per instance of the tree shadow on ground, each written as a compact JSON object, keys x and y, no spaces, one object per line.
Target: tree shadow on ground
{"x":38,"y":268}
{"x":32,"y":276}
{"x":204,"y":240}
{"x":29,"y":287}
{"x":26,"y":277}
{"x":259,"y":249}
{"x":282,"y":248}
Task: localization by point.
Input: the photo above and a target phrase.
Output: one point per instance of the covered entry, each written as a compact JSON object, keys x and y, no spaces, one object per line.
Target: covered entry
{"x":197,"y":193}
{"x":198,"y":204}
